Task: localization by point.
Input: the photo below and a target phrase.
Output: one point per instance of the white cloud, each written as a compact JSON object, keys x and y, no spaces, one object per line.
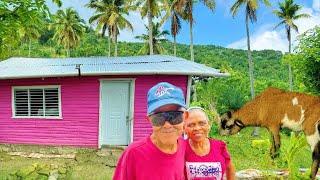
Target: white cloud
{"x":265,"y":40}
{"x":268,"y":38}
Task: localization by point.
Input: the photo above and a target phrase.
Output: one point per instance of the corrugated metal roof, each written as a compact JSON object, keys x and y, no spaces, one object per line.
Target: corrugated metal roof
{"x":16,"y":68}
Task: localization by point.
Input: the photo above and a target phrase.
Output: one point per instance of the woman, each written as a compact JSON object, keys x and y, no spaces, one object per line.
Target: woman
{"x":205,"y":158}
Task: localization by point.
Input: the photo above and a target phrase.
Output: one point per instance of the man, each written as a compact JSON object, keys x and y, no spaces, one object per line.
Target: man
{"x":160,"y":155}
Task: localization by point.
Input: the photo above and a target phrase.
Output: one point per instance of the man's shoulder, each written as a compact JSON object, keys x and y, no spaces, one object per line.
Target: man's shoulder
{"x":137,"y":145}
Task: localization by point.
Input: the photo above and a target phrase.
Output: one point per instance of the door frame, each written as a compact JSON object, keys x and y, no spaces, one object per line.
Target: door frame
{"x":131,"y":82}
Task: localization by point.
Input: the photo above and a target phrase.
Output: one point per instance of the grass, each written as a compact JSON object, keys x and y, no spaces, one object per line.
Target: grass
{"x":246,"y":155}
{"x":88,"y":165}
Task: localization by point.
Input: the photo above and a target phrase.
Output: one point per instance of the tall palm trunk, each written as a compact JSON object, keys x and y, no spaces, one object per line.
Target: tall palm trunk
{"x":289,"y":66}
{"x":191,"y":42}
{"x":150,"y":27}
{"x":109,"y":44}
{"x":251,"y":67}
{"x":104,"y":29}
{"x":29,"y":48}
{"x":174,"y":45}
{"x":115,"y":46}
{"x":250,"y":61}
{"x":68,"y":50}
{"x":114,"y":39}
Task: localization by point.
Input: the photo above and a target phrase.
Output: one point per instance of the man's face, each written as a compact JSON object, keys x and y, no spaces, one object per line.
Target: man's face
{"x":167,"y":133}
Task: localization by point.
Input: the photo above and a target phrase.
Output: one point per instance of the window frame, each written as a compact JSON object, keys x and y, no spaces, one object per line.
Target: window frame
{"x":35,"y":87}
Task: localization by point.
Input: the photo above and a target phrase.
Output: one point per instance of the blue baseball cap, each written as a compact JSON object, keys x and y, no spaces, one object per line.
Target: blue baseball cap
{"x":163,"y":94}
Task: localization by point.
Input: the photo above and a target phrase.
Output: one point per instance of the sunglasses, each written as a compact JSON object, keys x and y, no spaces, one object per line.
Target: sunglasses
{"x":173,"y":117}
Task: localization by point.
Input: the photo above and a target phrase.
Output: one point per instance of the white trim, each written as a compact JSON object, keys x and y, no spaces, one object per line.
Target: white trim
{"x":44,"y":86}
{"x":36,"y":117}
{"x":60,"y":101}
{"x":44,"y":102}
{"x":28,"y":89}
{"x":131,"y":110}
{"x":188,"y":95}
{"x":131,"y":82}
{"x":29,"y":107}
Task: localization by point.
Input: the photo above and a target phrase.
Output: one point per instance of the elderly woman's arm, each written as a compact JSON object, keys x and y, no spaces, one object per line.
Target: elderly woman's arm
{"x":230,"y":171}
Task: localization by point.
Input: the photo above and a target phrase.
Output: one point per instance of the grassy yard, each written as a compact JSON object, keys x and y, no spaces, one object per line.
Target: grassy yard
{"x":87,"y":164}
{"x":245,"y":155}
{"x":93,"y":164}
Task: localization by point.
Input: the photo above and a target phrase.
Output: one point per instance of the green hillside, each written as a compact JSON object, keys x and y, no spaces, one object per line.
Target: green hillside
{"x":226,"y":93}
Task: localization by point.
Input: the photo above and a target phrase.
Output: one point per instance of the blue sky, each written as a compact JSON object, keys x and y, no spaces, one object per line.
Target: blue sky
{"x":219,"y":27}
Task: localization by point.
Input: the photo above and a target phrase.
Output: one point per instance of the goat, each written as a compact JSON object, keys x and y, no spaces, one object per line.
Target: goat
{"x":275,"y":109}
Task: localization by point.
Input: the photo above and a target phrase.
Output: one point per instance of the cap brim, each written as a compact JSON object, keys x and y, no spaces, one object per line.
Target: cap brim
{"x":164,"y":102}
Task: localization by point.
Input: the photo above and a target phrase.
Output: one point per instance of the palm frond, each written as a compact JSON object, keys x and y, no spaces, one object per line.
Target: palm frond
{"x":299,"y":16}
{"x":211,"y":4}
{"x":295,"y":27}
{"x":235,"y":7}
{"x":175,"y":24}
{"x":287,"y":12}
{"x":266,"y":3}
{"x":57,"y":2}
{"x":281,"y":23}
{"x":95,"y":17}
{"x":251,"y":12}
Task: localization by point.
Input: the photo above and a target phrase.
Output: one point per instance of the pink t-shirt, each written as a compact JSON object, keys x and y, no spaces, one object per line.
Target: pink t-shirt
{"x":211,"y":166}
{"x":142,"y":160}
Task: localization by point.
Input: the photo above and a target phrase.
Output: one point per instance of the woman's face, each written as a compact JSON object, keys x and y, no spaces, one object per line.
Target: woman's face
{"x":197,"y":126}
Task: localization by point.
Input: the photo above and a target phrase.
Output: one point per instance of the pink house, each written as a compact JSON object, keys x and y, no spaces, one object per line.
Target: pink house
{"x":90,"y":101}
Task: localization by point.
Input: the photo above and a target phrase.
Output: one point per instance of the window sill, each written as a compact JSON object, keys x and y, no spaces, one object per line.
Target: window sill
{"x":37,"y":117}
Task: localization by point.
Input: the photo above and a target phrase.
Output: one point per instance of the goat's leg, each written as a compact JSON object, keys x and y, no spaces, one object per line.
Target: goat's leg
{"x":315,"y":161}
{"x":275,"y":142}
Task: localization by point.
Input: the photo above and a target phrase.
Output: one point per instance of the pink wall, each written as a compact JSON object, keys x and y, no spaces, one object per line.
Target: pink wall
{"x":80,"y":111}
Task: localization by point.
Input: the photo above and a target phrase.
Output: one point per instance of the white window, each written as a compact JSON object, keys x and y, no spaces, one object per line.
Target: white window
{"x":37,"y":101}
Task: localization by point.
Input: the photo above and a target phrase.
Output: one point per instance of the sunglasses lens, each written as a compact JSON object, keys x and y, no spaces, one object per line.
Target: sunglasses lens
{"x":158,"y":120}
{"x":176,"y":118}
{"x":173,"y":117}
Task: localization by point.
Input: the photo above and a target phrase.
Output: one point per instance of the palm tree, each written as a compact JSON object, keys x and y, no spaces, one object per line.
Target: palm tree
{"x":68,"y":28}
{"x":251,"y":7}
{"x":158,"y":38}
{"x":111,"y":16}
{"x":288,"y":12}
{"x":117,"y":22}
{"x":151,"y":9}
{"x":188,"y":11}
{"x":174,"y":12}
{"x":31,"y":27}
{"x":101,"y":18}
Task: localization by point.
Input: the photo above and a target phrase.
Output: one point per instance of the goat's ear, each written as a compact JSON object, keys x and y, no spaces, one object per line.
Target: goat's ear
{"x":239,"y":123}
{"x":229,"y":114}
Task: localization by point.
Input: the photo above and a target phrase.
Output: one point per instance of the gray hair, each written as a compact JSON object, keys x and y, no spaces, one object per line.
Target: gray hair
{"x":198,"y":109}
